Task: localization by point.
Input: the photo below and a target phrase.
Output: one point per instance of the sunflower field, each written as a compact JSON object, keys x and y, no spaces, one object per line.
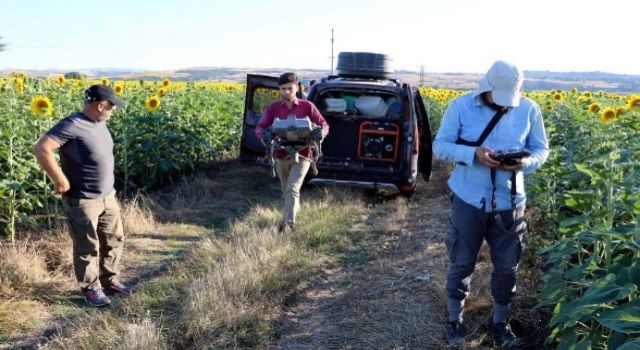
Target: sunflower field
{"x":167,"y":129}
{"x":586,"y":200}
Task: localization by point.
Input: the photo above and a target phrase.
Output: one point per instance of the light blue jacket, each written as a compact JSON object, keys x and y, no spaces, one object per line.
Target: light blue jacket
{"x":466,"y":117}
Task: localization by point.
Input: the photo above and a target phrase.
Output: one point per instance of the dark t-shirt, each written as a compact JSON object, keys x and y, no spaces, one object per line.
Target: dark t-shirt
{"x":86,"y":155}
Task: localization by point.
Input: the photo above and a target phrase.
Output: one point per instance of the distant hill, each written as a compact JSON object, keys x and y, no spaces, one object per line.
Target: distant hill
{"x":545,"y":80}
{"x":534,"y":80}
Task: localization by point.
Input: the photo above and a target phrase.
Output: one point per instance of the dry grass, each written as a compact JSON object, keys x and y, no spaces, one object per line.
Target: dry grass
{"x":238,"y":290}
{"x":32,"y":272}
{"x":357,"y":273}
{"x":395,"y":217}
{"x":214,"y":201}
{"x":228,"y":290}
{"x":26,"y":267}
{"x":137,"y":216}
{"x":18,"y":316}
{"x":97,"y":331}
{"x":57,"y":248}
{"x":248,"y":276}
{"x":142,"y":336}
{"x":37,"y":272}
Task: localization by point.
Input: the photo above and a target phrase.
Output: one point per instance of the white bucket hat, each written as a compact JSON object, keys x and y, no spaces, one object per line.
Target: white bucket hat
{"x":504,"y":80}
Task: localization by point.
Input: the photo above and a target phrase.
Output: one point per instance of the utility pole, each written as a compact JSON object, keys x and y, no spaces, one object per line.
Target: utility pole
{"x":331,"y":51}
{"x":421,"y":76}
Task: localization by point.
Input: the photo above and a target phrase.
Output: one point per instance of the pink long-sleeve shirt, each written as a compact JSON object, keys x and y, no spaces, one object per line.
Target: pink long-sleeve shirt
{"x":300,"y":108}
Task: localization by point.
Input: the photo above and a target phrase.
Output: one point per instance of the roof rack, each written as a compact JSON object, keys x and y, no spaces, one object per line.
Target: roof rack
{"x":381,"y":81}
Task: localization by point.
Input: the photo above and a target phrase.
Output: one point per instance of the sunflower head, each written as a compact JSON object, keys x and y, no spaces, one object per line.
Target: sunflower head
{"x":549,"y":108}
{"x":557,"y":96}
{"x":594,"y":107}
{"x":19,"y":85}
{"x":620,"y":111}
{"x":161,"y":92}
{"x":152,"y":104}
{"x":574,"y":90}
{"x":41,"y":106}
{"x":633,"y":103}
{"x":587,"y":94}
{"x":118,"y":89}
{"x":60,"y":80}
{"x":104,"y":81}
{"x":166,"y":83}
{"x":608,"y":115}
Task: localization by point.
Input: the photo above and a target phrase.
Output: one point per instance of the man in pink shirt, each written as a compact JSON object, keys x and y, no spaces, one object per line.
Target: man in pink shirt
{"x":291,"y":171}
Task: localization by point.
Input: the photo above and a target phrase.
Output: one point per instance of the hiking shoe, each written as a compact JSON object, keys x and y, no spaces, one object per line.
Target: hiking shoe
{"x":285,"y":227}
{"x":454,"y":332}
{"x":96,"y":298}
{"x":118,"y":288}
{"x":503,"y":335}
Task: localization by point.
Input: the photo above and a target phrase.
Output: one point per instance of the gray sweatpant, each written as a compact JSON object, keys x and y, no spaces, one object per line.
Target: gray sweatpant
{"x":469,"y":227}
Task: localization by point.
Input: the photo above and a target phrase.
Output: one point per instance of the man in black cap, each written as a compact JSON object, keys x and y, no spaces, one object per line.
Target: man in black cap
{"x":85,"y":180}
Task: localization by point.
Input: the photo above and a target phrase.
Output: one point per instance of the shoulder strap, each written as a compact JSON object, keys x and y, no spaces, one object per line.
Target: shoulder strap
{"x":487,"y":130}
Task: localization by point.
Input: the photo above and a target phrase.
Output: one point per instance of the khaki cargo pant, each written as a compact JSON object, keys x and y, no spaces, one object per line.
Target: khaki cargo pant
{"x":95,"y":226}
{"x":291,"y":175}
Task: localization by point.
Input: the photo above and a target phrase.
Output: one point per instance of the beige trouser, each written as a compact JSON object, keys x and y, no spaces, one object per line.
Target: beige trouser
{"x":96,"y":229}
{"x":291,"y":176}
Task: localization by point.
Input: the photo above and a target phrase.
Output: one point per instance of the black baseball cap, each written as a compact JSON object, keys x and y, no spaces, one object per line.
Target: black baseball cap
{"x":97,"y":93}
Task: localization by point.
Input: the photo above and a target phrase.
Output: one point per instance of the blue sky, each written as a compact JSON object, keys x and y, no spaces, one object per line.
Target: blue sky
{"x":442,"y":36}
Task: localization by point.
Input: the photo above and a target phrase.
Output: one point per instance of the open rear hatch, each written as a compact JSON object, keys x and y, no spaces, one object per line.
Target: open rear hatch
{"x":425,"y":158}
{"x":262,"y":90}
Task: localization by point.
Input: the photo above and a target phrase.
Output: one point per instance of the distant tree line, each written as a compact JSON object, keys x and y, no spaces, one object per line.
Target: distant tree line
{"x":75,"y":76}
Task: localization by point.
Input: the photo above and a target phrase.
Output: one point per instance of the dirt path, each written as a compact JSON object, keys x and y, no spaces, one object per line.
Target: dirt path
{"x":394,"y":302}
{"x":398,"y":300}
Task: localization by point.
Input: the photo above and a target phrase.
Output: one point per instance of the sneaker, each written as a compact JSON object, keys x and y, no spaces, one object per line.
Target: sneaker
{"x":503,"y":335}
{"x":96,"y":298}
{"x":454,"y":332}
{"x":119,"y":288}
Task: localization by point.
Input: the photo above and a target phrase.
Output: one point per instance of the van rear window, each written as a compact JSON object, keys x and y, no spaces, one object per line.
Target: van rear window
{"x":359,"y":104}
{"x":262,"y":98}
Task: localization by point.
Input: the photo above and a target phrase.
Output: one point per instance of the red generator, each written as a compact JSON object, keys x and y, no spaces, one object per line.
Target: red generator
{"x":378,"y":141}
